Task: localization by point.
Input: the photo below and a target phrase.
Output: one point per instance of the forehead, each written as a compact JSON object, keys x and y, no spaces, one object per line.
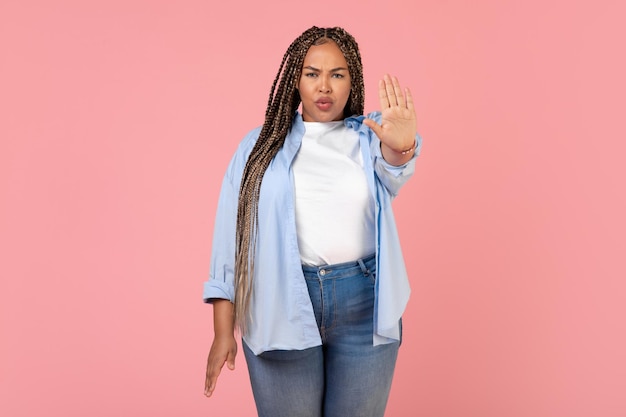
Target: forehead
{"x":327,"y":53}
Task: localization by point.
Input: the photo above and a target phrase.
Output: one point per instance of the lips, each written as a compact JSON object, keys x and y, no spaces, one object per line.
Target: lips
{"x":323,"y":103}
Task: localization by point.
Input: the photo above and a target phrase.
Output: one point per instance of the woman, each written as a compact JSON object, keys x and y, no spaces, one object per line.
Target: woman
{"x":306,"y":258}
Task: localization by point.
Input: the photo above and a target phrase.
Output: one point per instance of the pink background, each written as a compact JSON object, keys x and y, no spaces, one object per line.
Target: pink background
{"x":117,"y":120}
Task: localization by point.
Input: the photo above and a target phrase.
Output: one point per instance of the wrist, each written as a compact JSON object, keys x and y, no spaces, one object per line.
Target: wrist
{"x":406,"y":151}
{"x":223,"y":318}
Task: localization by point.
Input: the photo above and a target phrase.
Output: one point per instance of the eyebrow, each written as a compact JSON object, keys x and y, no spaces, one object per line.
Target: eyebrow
{"x":309,"y":67}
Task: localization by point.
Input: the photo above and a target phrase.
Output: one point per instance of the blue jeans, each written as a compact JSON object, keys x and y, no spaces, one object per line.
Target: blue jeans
{"x":346,"y":376}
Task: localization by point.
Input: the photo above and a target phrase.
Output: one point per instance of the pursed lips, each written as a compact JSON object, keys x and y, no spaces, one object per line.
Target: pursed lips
{"x":323,"y":103}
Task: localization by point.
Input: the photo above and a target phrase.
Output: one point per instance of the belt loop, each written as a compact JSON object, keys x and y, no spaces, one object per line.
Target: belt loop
{"x":364,"y":269}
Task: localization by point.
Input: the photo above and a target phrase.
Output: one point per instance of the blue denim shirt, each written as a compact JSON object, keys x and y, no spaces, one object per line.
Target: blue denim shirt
{"x":281,"y":311}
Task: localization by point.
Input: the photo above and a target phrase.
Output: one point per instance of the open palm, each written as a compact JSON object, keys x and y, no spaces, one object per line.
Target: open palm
{"x":399,"y":122}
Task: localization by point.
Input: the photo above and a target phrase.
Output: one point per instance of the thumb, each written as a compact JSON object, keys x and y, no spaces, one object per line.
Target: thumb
{"x":378,"y":129}
{"x":230,"y":361}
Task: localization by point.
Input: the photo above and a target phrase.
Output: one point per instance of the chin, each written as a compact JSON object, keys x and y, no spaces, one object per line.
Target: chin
{"x":323,"y":117}
{"x":330,"y":118}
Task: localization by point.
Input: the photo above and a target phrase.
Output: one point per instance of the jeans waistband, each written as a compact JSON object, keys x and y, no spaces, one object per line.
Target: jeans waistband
{"x":365,"y":265}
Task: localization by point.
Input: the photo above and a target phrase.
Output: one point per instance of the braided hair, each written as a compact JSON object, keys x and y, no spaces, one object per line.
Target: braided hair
{"x":282,"y":105}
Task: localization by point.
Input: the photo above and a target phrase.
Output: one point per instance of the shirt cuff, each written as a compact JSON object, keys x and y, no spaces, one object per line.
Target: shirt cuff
{"x":214,"y":290}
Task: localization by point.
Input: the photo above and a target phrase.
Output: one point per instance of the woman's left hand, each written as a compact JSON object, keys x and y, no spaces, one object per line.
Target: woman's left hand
{"x":399,"y":122}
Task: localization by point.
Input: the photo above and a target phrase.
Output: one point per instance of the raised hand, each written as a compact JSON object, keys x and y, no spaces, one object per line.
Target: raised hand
{"x":399,"y":122}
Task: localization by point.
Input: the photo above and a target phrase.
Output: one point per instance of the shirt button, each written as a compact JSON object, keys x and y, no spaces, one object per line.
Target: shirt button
{"x":323,"y":272}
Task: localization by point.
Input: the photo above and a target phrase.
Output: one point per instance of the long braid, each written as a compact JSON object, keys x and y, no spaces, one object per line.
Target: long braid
{"x":282,"y":105}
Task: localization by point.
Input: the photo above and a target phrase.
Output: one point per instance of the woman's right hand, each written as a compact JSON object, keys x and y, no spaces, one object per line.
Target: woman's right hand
{"x":224,"y":347}
{"x":223,"y":350}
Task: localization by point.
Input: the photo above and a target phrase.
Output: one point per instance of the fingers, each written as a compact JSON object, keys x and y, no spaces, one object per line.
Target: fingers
{"x":209,"y":386}
{"x":409,"y":100}
{"x":382,"y":95}
{"x":397,"y":91}
{"x":212,"y":372}
{"x":392,"y":97}
{"x":390,"y":93}
{"x":223,"y":351}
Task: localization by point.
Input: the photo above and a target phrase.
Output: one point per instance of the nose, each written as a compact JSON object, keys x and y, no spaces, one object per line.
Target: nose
{"x":324,"y":85}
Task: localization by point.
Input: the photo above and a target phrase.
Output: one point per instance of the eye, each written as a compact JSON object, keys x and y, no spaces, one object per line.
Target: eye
{"x":310,"y":74}
{"x":338,"y":75}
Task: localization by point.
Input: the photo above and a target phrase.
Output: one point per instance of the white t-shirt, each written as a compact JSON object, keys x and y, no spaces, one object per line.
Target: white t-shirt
{"x":334,"y":207}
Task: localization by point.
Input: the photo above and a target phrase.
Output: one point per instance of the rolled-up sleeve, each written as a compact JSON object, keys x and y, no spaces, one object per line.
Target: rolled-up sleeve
{"x":221,"y":277}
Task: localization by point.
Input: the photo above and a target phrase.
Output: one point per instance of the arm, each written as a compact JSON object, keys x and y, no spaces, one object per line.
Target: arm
{"x":219,"y":289}
{"x":224,"y":346}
